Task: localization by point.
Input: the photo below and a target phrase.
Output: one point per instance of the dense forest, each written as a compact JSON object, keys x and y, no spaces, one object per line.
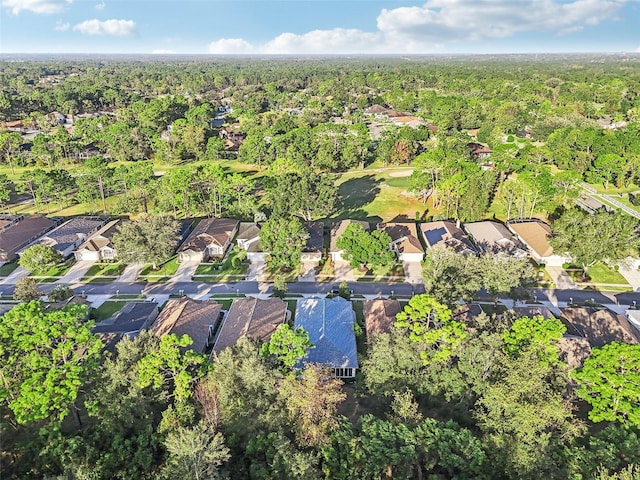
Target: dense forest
{"x":444,"y":395}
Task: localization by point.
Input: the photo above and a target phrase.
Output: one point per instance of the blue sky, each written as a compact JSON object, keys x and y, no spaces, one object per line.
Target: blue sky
{"x":319,"y":26}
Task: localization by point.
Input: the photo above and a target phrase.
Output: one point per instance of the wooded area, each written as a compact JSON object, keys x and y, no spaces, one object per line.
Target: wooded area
{"x":282,"y":142}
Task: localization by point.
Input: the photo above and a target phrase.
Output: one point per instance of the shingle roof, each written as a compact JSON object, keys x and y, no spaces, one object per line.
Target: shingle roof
{"x":209,"y":231}
{"x":130,"y":318}
{"x":251,"y":317}
{"x":102,"y":237}
{"x":379,"y":315}
{"x":16,"y":236}
{"x":494,"y":237}
{"x":315,"y":242}
{"x":535,"y":235}
{"x":447,"y":234}
{"x":186,"y":316}
{"x":329,"y":322}
{"x":600,"y":326}
{"x":405,"y":235}
{"x":71,"y":231}
{"x":532,"y":311}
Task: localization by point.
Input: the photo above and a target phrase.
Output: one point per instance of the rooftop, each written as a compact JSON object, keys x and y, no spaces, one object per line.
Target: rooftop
{"x":600,"y":326}
{"x":329,"y":322}
{"x":130,"y":318}
{"x":379,"y":315}
{"x":250,"y":317}
{"x":447,"y":234}
{"x":535,"y":234}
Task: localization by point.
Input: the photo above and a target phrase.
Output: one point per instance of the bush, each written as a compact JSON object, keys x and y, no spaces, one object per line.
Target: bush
{"x":60,"y":293}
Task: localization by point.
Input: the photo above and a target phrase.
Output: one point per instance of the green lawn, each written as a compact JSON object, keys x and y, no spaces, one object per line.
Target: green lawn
{"x":105,"y":270}
{"x":53,"y":274}
{"x":106,"y":310}
{"x":165,"y":269}
{"x":226,"y":268}
{"x":7,"y":268}
{"x":376,"y":196}
{"x":602,"y":273}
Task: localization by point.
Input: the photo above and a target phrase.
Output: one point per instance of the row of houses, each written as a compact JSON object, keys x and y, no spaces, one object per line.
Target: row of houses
{"x":91,"y":238}
{"x":330,"y":323}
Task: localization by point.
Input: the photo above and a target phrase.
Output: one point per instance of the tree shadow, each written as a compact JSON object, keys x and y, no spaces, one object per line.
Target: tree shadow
{"x":355,"y":193}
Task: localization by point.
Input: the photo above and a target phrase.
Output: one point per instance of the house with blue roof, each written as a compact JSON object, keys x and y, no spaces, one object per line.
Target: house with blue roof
{"x":329,"y":323}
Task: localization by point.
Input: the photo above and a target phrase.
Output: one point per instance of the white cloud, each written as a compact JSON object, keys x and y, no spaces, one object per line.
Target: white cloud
{"x":464,"y":20}
{"x":437,"y":23}
{"x":338,"y":40}
{"x":62,"y":26}
{"x":100,"y":6}
{"x":162,"y":52}
{"x":118,"y":28}
{"x":35,"y":6}
{"x":229,"y":46}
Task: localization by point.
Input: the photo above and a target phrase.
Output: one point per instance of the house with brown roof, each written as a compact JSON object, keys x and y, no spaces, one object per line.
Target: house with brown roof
{"x":71,"y":234}
{"x":198,"y":319}
{"x":99,"y":246}
{"x":337,"y":229}
{"x":599,"y":325}
{"x":535,"y":235}
{"x":210,"y":238}
{"x":574,"y":350}
{"x":20,"y":234}
{"x":404,"y":241}
{"x":250,"y":317}
{"x":379,"y":315}
{"x":493,"y":238}
{"x":448,"y":235}
{"x":533,"y":311}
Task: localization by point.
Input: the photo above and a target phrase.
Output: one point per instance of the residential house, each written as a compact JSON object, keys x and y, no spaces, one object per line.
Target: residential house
{"x":210,"y":238}
{"x":198,"y":319}
{"x":467,"y":313}
{"x":99,"y":246}
{"x":591,"y":205}
{"x":130,"y":320}
{"x":20,"y":234}
{"x":493,"y":238}
{"x":449,"y":235}
{"x":337,"y":229}
{"x":250,"y":317}
{"x":379,"y":315}
{"x":535,"y":235}
{"x":7,"y":220}
{"x":404,"y":241}
{"x":71,"y":234}
{"x":330,"y":325}
{"x":479,"y":151}
{"x":573,"y":350}
{"x":599,"y":325}
{"x":312,"y":250}
{"x":248,"y":239}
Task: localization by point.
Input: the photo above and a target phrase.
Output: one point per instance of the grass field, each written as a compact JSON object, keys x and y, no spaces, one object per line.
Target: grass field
{"x":376,"y":196}
{"x":7,"y":268}
{"x":602,"y":273}
{"x":106,"y":310}
{"x":165,"y":269}
{"x":105,"y":270}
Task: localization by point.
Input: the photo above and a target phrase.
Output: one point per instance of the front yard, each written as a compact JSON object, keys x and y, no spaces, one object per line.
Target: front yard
{"x":234,"y":268}
{"x":103,"y":272}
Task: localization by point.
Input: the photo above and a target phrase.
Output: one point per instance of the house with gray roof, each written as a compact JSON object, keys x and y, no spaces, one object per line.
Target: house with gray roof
{"x":448,"y":235}
{"x":99,"y":246}
{"x":250,"y":317}
{"x":129,"y":320}
{"x":71,"y":234}
{"x":198,"y":319}
{"x":493,"y":238}
{"x":18,"y":235}
{"x":313,"y":248}
{"x":330,"y":325}
{"x":248,"y":239}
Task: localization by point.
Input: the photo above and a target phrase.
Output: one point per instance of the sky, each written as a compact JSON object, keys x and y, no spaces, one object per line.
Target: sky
{"x":319,"y":26}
